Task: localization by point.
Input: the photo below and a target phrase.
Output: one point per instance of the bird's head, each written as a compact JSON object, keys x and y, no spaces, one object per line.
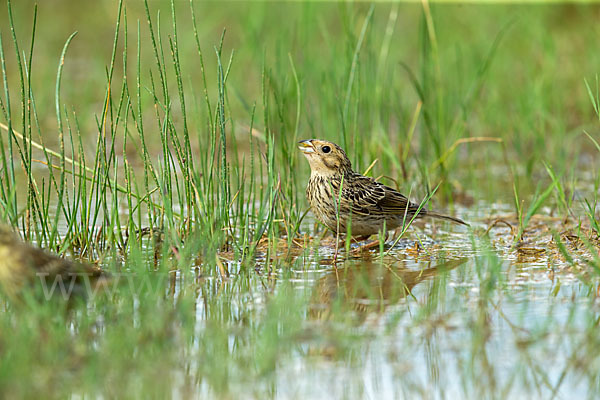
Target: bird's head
{"x":325,"y":158}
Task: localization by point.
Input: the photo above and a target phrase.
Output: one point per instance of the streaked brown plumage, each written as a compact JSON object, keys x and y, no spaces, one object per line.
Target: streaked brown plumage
{"x":368,"y":202}
{"x":22,"y":264}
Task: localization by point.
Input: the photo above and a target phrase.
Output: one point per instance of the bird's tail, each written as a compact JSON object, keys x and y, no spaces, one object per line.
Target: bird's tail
{"x":434,"y":214}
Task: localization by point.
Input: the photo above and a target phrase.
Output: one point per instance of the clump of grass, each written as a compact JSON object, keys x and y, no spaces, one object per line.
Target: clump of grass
{"x":591,"y":207}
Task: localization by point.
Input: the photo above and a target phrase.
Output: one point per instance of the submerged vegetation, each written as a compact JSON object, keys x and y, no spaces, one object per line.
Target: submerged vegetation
{"x":163,"y":148}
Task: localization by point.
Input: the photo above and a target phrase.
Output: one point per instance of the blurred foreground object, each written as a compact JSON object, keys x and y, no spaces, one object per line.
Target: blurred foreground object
{"x":22,"y":264}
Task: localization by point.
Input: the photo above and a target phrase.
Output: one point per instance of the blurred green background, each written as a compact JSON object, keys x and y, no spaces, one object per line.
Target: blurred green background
{"x":514,"y":72}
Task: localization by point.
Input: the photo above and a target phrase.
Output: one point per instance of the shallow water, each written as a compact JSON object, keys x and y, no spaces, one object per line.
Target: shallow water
{"x":447,"y":313}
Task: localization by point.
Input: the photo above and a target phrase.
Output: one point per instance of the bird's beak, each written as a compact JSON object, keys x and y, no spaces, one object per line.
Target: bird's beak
{"x":306,"y":146}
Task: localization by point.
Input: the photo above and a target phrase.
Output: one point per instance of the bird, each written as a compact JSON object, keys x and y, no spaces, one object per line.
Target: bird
{"x":364,"y":207}
{"x":25,"y":265}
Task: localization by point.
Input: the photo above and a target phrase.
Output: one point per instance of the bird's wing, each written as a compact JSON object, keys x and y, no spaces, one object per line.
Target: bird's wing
{"x":47,"y":264}
{"x":364,"y":194}
{"x":52,"y":265}
{"x":359,"y":193}
{"x":369,"y":196}
{"x":395,"y":202}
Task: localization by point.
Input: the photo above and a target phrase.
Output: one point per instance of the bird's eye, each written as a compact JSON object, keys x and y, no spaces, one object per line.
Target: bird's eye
{"x":326,"y":149}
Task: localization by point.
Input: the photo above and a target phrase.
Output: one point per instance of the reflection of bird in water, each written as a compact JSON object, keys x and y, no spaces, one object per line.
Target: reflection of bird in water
{"x":370,"y":286}
{"x":22,"y":264}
